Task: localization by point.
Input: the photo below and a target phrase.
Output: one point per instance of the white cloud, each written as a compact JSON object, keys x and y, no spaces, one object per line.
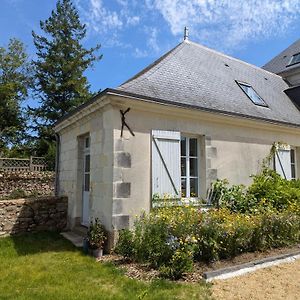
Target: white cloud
{"x":227,"y":21}
{"x":139,"y":53}
{"x":152,"y":38}
{"x":101,"y":19}
{"x":133,"y":20}
{"x":222,"y":24}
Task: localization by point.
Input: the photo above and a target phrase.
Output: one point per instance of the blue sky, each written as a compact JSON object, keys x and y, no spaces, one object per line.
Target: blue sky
{"x":133,"y":33}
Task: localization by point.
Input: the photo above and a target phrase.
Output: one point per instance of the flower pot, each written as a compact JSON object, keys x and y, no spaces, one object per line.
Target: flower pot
{"x":85,"y":246}
{"x":97,"y":253}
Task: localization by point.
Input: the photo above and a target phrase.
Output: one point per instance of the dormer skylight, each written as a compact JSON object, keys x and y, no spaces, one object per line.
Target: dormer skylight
{"x":295,"y":59}
{"x":252,"y":94}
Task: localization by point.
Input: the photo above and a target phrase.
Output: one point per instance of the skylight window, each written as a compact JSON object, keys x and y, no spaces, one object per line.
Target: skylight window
{"x":295,"y":59}
{"x":251,"y":93}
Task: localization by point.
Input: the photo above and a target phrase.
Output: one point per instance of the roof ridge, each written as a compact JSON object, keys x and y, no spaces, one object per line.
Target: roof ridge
{"x":155,"y":63}
{"x":233,"y":58}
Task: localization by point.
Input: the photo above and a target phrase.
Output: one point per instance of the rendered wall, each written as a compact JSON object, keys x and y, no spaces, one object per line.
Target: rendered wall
{"x":232,"y":150}
{"x":99,"y":126}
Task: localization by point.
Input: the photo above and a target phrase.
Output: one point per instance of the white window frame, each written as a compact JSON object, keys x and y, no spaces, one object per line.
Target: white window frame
{"x":86,"y":152}
{"x":187,"y":159}
{"x":292,"y":165}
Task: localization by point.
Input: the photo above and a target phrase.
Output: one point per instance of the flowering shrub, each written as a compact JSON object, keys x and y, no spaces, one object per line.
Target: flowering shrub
{"x":262,"y":216}
{"x":171,"y":238}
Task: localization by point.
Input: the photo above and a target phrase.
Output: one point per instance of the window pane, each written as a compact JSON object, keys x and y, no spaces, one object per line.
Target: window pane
{"x":193,"y":147}
{"x":183,"y":166}
{"x":183,"y":187}
{"x":292,"y":156}
{"x":87,"y":142}
{"x":251,"y":93}
{"x":87,"y":163}
{"x":86,"y":182}
{"x":194,"y":187}
{"x":193,"y":167}
{"x":293,"y":169}
{"x":295,"y":59}
{"x":183,"y":146}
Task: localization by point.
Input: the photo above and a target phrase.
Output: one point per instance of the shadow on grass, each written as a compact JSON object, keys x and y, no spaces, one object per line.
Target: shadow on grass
{"x":31,"y":243}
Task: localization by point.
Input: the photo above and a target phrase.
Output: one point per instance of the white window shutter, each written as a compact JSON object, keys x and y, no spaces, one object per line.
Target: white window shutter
{"x":283,"y":163}
{"x":166,"y":163}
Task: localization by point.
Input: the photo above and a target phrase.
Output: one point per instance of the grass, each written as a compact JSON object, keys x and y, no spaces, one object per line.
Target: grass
{"x":46,"y":266}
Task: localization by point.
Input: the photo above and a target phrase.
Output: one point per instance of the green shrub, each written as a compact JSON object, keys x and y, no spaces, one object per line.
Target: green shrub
{"x":125,"y":246}
{"x":180,"y":263}
{"x":269,"y":191}
{"x":150,"y":241}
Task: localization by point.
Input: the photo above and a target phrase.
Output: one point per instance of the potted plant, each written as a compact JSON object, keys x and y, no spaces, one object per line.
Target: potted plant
{"x":96,"y":236}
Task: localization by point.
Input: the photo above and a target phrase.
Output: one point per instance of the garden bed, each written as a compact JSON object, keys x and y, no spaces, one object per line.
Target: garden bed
{"x":245,"y":223}
{"x":145,"y":273}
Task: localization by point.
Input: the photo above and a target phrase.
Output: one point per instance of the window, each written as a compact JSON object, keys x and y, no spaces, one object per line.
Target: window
{"x":251,"y":93}
{"x":285,"y":163}
{"x":165,"y":164}
{"x":295,"y":59}
{"x":87,"y":142}
{"x":189,"y":167}
{"x":175,"y":165}
{"x":293,"y":164}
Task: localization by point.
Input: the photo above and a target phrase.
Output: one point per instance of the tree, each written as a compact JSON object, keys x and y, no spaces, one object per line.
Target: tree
{"x":59,"y":69}
{"x":15,"y":80}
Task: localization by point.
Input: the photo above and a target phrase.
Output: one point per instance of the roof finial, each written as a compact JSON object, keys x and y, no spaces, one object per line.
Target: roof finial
{"x":186,"y":34}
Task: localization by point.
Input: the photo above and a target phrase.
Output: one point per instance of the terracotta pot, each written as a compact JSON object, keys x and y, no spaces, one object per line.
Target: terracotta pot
{"x":97,"y":253}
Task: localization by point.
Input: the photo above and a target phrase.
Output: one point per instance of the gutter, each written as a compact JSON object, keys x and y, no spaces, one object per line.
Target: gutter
{"x":57,"y":137}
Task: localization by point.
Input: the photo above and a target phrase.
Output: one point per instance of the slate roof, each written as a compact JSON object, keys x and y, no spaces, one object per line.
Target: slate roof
{"x":279,"y":63}
{"x":194,"y":76}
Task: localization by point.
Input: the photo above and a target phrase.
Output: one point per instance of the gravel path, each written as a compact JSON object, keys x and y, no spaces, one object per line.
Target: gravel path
{"x":278,"y":282}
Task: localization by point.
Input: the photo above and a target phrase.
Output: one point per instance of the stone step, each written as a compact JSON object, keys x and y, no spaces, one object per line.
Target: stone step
{"x":80,"y":230}
{"x":74,"y":238}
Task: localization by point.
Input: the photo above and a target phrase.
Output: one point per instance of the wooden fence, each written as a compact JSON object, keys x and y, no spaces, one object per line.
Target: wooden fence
{"x":23,"y":164}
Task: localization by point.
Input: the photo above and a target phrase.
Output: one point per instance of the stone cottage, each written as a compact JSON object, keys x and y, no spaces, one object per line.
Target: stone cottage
{"x":192,"y":116}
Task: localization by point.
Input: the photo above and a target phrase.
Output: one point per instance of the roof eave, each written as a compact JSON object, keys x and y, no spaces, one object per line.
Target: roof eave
{"x":117,"y":92}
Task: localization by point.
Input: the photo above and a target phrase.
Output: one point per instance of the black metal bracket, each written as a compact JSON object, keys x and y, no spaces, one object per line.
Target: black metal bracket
{"x":123,"y":113}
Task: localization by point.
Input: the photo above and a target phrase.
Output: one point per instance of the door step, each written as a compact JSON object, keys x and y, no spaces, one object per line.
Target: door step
{"x":75,"y":238}
{"x":80,"y":230}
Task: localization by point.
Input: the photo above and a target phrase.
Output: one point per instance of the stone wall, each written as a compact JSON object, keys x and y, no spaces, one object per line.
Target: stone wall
{"x":19,"y":184}
{"x":29,"y":215}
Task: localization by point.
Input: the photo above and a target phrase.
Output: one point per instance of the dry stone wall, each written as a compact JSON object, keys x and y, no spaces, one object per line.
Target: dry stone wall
{"x":16,"y":184}
{"x":29,"y":215}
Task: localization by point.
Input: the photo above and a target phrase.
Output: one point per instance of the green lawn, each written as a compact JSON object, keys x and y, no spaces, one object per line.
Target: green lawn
{"x":45,"y":266}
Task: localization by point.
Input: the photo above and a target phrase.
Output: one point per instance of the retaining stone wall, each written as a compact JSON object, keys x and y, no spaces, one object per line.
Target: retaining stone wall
{"x":27,"y":183}
{"x":29,"y":215}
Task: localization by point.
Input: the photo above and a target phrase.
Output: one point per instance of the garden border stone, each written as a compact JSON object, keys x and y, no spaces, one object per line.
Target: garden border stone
{"x":245,"y":268}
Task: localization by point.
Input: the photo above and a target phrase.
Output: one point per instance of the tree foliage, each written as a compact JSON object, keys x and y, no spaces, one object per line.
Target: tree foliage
{"x":15,"y":80}
{"x":60,"y":83}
